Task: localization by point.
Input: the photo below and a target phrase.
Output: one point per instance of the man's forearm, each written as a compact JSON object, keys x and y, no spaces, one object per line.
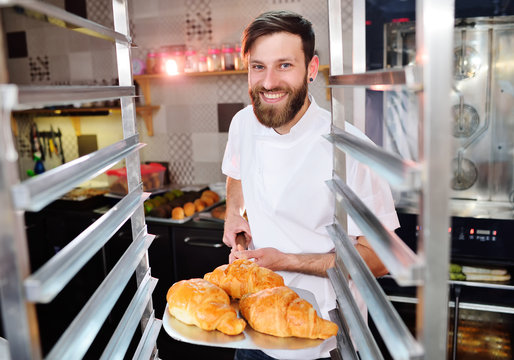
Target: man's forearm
{"x":235,"y":199}
{"x":311,"y":264}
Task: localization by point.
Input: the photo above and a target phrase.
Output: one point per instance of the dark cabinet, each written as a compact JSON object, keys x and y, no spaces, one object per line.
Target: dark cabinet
{"x":197,"y":251}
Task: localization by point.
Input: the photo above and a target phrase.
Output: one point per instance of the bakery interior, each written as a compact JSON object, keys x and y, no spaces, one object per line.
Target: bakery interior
{"x":165,"y":129}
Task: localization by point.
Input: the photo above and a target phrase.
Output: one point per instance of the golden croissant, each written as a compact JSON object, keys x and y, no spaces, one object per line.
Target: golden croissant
{"x":281,"y":312}
{"x":198,"y":302}
{"x":243,"y":277}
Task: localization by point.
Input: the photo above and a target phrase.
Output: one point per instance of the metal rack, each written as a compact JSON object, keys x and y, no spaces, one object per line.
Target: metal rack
{"x":427,"y":269}
{"x":20,"y":289}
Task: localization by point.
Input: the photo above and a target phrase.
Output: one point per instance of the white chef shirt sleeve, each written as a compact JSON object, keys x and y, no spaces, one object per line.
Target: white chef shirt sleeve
{"x":375,"y":193}
{"x":231,"y":159}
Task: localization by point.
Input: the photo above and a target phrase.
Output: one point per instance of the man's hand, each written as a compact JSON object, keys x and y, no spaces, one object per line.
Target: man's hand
{"x":273,"y":259}
{"x":234,"y":225}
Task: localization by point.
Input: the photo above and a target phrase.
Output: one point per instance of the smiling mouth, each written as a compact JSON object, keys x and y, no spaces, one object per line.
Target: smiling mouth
{"x":273,"y":96}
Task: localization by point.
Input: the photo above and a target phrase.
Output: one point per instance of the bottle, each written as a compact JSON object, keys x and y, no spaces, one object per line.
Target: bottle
{"x":191,"y":63}
{"x":227,"y":60}
{"x":39,"y":168}
{"x":213,"y":58}
{"x":151,"y":63}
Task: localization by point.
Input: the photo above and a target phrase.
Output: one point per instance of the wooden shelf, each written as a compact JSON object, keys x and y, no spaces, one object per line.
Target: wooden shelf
{"x":145,"y":79}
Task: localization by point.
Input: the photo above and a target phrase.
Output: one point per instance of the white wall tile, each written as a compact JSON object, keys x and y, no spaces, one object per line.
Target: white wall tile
{"x":205,"y":147}
{"x":81,"y":68}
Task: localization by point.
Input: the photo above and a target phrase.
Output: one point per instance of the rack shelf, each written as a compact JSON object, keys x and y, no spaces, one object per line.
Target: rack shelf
{"x":146,"y":112}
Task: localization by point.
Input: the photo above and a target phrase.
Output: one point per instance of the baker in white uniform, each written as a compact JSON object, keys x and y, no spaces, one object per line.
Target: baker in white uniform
{"x":277,"y":162}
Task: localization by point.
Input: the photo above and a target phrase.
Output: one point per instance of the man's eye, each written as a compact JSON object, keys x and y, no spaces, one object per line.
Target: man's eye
{"x":285,"y":66}
{"x":257,"y":67}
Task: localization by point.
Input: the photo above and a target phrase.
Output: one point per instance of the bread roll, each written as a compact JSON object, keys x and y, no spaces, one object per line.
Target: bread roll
{"x":177,"y":213}
{"x":281,"y":312}
{"x":243,"y":277}
{"x":189,"y":209}
{"x":201,"y":303}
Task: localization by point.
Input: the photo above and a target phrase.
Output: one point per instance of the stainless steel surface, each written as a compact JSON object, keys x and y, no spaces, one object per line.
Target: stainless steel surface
{"x":146,"y":346}
{"x":59,"y":17}
{"x":77,"y":338}
{"x":344,"y":341}
{"x":396,"y":336}
{"x":52,"y":277}
{"x":401,"y":174}
{"x":37,"y":192}
{"x":434,"y":52}
{"x":23,"y":333}
{"x":462,"y":305}
{"x":17,"y":311}
{"x":481,"y":99}
{"x":38,"y":96}
{"x":364,"y":341}
{"x":120,"y":339}
{"x":404,"y":265}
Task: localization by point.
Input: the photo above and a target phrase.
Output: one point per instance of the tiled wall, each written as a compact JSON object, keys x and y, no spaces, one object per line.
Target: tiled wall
{"x":186,"y":125}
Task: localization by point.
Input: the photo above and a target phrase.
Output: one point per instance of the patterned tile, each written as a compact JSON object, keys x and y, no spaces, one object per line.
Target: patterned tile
{"x":100,"y":11}
{"x":232,"y":89}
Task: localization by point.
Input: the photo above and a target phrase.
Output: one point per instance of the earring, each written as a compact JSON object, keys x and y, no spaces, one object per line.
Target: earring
{"x":311,"y":79}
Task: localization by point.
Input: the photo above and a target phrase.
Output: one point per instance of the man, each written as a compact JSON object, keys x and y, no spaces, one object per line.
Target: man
{"x":277,"y":162}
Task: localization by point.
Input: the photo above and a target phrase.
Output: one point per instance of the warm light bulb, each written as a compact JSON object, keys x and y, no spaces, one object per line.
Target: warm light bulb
{"x":171,"y":67}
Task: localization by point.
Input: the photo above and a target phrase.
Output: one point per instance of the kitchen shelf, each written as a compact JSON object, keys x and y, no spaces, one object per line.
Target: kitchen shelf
{"x":144,"y":81}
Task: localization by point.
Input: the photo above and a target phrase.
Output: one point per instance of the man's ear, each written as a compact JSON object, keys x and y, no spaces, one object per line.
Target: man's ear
{"x":312,"y":68}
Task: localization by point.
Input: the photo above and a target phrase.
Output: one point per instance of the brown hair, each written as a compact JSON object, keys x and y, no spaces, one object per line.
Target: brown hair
{"x":279,"y":21}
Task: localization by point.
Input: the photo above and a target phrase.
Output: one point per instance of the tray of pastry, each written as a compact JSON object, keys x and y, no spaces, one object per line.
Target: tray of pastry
{"x":248,"y":339}
{"x":243,"y":305}
{"x":178,"y":206}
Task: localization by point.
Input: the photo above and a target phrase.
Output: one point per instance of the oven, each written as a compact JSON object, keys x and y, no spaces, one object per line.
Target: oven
{"x":481,"y":316}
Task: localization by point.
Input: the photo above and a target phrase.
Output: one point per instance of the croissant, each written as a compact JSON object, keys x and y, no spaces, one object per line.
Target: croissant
{"x":243,"y":277}
{"x":198,"y":302}
{"x":281,"y":312}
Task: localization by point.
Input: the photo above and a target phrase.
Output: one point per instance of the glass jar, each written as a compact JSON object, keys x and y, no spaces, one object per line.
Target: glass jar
{"x":238,"y":58}
{"x":202,"y":62}
{"x":227,"y":60}
{"x":191,"y":62}
{"x":213,"y":58}
{"x":160,"y":62}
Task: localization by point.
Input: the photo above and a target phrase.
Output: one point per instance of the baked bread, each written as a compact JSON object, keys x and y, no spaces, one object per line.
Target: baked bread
{"x":201,"y":303}
{"x":243,"y":277}
{"x":281,"y":312}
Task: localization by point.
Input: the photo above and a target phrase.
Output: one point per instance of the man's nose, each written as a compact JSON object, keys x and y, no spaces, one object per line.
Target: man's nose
{"x":271,"y":80}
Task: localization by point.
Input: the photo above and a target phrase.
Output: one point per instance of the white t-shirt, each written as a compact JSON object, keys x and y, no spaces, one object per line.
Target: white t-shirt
{"x":287,"y":201}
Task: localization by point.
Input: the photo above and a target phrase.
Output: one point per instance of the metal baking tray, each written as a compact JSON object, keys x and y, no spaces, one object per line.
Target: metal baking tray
{"x":249,"y":339}
{"x":187,"y":218}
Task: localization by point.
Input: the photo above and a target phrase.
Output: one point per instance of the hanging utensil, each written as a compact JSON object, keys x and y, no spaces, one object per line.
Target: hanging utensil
{"x":53,"y":141}
{"x":59,"y":136}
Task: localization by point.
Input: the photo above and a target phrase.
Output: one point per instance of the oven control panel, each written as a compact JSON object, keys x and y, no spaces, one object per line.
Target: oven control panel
{"x":486,"y":239}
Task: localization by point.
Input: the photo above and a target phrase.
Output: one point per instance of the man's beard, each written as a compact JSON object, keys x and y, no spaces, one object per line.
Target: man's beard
{"x":275,"y":116}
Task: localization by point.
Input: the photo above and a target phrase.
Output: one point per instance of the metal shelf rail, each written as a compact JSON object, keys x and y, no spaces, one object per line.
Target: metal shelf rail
{"x":21,"y":289}
{"x":431,"y":80}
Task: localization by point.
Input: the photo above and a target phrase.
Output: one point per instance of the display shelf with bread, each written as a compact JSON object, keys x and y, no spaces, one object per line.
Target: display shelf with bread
{"x":178,"y":206}
{"x":244,"y":306}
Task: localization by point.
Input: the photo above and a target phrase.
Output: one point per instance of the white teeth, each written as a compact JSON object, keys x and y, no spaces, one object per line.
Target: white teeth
{"x":273,"y":95}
